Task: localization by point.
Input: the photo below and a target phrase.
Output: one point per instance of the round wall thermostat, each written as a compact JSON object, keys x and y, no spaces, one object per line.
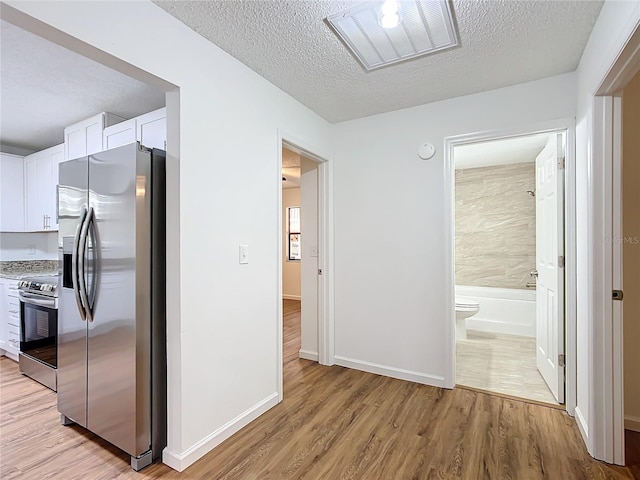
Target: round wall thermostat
{"x":426,"y":151}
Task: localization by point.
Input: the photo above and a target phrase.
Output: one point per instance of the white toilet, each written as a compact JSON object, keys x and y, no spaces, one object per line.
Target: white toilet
{"x":465,"y":308}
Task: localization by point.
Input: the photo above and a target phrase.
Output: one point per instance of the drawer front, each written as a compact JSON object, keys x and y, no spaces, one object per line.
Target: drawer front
{"x":14,"y":311}
{"x":13,"y":339}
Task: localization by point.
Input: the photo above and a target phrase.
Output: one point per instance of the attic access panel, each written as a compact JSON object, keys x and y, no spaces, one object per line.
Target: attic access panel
{"x":425,"y":27}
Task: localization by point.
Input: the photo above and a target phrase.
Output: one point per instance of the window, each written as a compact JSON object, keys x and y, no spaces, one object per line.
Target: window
{"x":293,"y":232}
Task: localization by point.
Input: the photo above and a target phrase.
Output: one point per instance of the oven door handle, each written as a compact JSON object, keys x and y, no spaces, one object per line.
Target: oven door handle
{"x":35,"y":299}
{"x":75,"y":264}
{"x":81,"y":265}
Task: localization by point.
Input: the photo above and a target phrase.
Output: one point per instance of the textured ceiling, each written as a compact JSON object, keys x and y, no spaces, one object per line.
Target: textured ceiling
{"x":502,"y":42}
{"x":45,"y":87}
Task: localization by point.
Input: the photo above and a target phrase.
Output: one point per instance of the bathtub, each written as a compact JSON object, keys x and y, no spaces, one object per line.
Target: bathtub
{"x":502,"y":310}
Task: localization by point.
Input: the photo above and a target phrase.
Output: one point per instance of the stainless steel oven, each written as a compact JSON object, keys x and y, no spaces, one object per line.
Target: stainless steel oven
{"x":38,"y":356}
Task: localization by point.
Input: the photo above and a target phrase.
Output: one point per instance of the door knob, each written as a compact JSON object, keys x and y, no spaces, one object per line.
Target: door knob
{"x":534,"y":273}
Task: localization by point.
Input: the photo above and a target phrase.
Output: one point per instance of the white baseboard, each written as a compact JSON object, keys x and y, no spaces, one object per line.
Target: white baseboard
{"x":180,"y":461}
{"x":582,"y":426}
{"x":393,"y":372}
{"x":291,"y":297}
{"x":632,"y":423}
{"x":308,"y":355}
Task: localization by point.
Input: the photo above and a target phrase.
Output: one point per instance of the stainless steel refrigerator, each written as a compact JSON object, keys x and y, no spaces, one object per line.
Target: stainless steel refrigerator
{"x":111,"y":317}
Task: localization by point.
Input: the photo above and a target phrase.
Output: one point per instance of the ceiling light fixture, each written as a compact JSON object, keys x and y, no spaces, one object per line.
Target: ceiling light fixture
{"x":390,"y":17}
{"x":381,"y":33}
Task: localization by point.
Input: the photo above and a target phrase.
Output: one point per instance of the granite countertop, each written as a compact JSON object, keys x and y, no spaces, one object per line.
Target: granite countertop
{"x":18,"y":269}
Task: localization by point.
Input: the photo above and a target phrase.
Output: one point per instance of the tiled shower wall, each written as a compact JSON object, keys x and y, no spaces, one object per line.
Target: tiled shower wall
{"x":495,"y":226}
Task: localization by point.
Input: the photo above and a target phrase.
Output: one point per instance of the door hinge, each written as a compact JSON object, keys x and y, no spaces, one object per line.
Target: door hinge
{"x":319,"y":271}
{"x":561,"y":360}
{"x":561,"y":163}
{"x":618,"y":295}
{"x":561,"y":261}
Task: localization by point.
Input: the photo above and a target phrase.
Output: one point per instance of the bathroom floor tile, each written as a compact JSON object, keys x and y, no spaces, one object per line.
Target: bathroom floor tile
{"x":501,"y":363}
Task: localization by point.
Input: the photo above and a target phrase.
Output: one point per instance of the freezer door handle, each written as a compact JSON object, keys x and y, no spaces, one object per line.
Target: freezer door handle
{"x":75,"y":264}
{"x":81,"y":264}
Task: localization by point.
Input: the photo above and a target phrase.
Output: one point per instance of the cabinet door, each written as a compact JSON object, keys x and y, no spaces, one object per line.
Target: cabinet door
{"x":41,"y":178}
{"x":151,"y":129}
{"x":84,"y":138}
{"x":9,"y":319}
{"x":33,"y":181}
{"x":11,"y":193}
{"x":56,"y":155}
{"x":120,"y":134}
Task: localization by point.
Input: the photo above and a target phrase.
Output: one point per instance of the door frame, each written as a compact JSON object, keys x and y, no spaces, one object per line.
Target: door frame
{"x":606,"y":388}
{"x":566,"y":125}
{"x":326,"y":324}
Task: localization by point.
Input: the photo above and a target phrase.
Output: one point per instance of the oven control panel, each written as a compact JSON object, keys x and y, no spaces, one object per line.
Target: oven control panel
{"x":36,"y":286}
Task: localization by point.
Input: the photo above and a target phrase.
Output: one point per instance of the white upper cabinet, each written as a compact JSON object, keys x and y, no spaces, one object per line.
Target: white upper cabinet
{"x":11,"y":193}
{"x":119,"y":134}
{"x":40,"y":183}
{"x":86,"y":137}
{"x":151,"y":129}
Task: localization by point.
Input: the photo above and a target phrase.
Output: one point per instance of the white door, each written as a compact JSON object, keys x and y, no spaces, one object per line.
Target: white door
{"x":550,"y":265}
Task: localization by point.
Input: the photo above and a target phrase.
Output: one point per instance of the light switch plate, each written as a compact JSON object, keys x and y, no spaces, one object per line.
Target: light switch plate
{"x":244,"y":254}
{"x":314,"y":251}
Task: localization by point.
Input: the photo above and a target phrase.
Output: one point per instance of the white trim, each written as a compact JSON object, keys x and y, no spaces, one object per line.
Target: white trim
{"x":632,"y":423}
{"x":582,"y":424}
{"x":616,"y":283}
{"x":279,"y":256}
{"x":180,"y":461}
{"x":600,"y":285}
{"x":308,"y":355}
{"x":570,"y":273}
{"x":393,"y":372}
{"x":448,"y":275}
{"x":567,"y":125}
{"x":606,"y":389}
{"x":291,"y":297}
{"x":326,"y":321}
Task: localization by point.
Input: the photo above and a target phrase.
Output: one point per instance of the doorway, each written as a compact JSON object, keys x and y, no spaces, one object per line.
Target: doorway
{"x":629,"y":251}
{"x":303,"y":257}
{"x":508,"y":250}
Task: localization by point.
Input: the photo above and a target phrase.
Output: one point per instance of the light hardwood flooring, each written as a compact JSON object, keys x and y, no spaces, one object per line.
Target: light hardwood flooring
{"x":503,"y":364}
{"x":334,"y":424}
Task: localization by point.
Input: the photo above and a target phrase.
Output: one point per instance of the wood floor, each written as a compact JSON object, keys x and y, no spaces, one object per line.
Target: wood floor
{"x":334,"y":424}
{"x":501,"y":363}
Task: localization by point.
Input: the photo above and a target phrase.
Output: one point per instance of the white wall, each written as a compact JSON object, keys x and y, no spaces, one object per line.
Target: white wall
{"x":309,"y":228}
{"x":390,"y":298}
{"x":28,"y":246}
{"x":223,"y":359}
{"x":290,"y":269}
{"x":616,"y":22}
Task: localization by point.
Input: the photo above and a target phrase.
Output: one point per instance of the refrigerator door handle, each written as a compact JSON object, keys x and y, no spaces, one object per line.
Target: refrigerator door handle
{"x":92,"y":237}
{"x":75,"y":271}
{"x":81,"y":265}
